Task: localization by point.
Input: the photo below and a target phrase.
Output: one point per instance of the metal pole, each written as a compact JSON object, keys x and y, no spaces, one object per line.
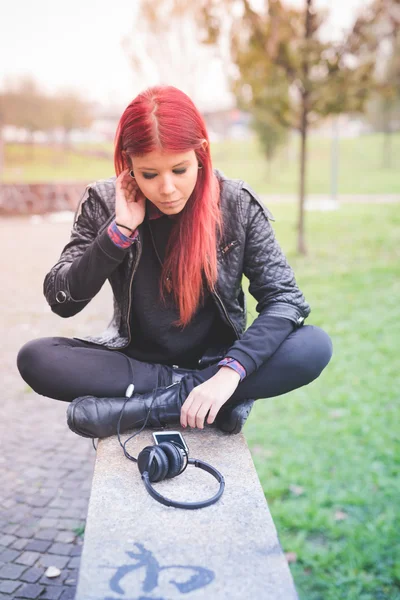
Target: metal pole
{"x":335,"y":160}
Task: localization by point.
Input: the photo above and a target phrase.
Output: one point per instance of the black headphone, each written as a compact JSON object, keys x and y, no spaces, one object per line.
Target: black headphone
{"x":165,"y":461}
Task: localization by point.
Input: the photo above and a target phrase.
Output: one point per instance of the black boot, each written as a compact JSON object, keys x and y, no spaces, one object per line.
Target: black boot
{"x":98,"y":417}
{"x":93,"y":417}
{"x":232,"y":417}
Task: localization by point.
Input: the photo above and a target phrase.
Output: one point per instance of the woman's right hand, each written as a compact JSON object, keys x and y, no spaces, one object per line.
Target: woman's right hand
{"x":130,"y":203}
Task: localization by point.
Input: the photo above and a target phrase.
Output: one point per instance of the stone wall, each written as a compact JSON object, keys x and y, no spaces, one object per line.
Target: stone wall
{"x":39,"y":198}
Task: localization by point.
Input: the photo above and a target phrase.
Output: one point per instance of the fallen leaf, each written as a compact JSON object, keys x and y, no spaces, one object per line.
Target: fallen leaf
{"x":52,"y":572}
{"x":341,"y":516}
{"x":291,"y":557}
{"x":297,"y":490}
{"x":261,"y":451}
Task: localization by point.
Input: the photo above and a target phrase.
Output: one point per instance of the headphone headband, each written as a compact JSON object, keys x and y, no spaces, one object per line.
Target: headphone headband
{"x":188,"y":505}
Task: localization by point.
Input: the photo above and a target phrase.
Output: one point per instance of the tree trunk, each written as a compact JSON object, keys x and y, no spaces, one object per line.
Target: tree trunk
{"x":335,"y":160}
{"x":66,"y":139}
{"x":387,"y":137}
{"x":269,"y":160}
{"x":301,"y":244}
{"x":387,"y":148}
{"x":30,"y":147}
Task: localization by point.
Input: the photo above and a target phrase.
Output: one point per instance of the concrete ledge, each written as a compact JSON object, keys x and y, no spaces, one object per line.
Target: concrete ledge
{"x":39,"y":198}
{"x":138,"y":549}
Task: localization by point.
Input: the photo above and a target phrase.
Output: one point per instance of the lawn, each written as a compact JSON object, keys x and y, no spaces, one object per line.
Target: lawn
{"x":328,"y":455}
{"x":360,"y":168}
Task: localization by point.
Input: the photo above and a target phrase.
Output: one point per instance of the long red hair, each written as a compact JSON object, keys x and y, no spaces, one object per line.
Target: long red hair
{"x":165,"y":118}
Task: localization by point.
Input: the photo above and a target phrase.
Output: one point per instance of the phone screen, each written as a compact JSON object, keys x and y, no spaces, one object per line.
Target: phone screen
{"x":172,"y":436}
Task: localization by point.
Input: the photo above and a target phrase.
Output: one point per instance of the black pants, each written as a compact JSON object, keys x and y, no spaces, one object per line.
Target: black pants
{"x":64,"y":368}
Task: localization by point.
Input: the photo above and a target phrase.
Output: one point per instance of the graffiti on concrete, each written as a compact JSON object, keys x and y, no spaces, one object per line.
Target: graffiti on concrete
{"x":195,"y":577}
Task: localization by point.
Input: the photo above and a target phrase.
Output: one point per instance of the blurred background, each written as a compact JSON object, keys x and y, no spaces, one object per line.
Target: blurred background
{"x":302,"y":101}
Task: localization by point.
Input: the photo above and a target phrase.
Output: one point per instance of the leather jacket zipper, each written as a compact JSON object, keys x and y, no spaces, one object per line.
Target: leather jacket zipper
{"x":225,"y":250}
{"x":226,"y":314}
{"x":228,"y":247}
{"x":135,"y":266}
{"x":138,"y":255}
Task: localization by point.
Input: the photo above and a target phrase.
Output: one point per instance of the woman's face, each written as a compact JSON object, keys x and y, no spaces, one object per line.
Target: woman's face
{"x":166,"y":179}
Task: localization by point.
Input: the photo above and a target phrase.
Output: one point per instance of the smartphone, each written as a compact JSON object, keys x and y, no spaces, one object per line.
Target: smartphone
{"x":170,"y":436}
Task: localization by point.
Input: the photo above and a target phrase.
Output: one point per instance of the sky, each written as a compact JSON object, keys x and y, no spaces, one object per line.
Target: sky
{"x":76,"y":44}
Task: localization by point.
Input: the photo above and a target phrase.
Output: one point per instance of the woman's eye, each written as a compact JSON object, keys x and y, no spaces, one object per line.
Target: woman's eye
{"x":152,"y":175}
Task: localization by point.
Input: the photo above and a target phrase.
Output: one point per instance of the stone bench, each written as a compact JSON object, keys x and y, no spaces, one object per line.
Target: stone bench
{"x":137,"y":549}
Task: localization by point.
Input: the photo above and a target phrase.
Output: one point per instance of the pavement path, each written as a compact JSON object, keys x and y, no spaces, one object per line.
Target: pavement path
{"x":45,"y":469}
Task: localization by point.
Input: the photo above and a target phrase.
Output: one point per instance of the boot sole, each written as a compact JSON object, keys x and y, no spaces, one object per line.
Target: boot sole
{"x":240,"y":419}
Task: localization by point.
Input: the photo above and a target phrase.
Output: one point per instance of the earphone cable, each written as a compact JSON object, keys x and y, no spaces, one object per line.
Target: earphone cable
{"x":123,"y":445}
{"x":154,"y":392}
{"x":129,"y":392}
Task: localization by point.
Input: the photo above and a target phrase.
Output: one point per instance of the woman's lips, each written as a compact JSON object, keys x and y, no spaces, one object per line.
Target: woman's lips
{"x":171,"y":202}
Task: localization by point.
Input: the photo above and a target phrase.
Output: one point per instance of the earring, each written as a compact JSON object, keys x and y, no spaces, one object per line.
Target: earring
{"x":131,"y":174}
{"x":200,"y":166}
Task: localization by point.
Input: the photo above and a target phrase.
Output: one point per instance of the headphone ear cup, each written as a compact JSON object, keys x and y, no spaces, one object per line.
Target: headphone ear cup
{"x":175,"y":459}
{"x":159,"y":465}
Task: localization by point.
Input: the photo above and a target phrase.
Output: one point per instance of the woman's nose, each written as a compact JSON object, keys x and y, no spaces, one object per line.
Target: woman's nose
{"x":167,"y":186}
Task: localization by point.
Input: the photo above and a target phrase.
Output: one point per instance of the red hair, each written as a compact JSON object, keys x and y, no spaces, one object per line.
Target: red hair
{"x":165,"y":118}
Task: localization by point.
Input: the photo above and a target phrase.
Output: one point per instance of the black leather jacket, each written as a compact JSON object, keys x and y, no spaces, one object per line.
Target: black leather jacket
{"x":248,"y":248}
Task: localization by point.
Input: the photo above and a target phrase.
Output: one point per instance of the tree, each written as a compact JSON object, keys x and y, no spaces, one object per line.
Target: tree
{"x":270,"y":125}
{"x":384,"y":108}
{"x":290,"y":71}
{"x":286,"y":74}
{"x":24,"y":105}
{"x":163,"y":47}
{"x":70,"y":112}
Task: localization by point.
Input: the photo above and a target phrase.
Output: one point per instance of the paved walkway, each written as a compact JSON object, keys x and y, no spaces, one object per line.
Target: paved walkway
{"x":45,"y":469}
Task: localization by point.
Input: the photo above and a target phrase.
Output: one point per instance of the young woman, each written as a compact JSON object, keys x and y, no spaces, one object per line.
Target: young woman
{"x":174,"y":238}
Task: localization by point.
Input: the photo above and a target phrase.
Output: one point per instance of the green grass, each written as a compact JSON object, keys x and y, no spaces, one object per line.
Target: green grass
{"x":360,"y":168}
{"x":38,"y":164}
{"x":337,"y":438}
{"x":80,"y":530}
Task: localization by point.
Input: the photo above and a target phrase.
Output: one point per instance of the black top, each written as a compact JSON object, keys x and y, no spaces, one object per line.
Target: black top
{"x":154,"y":337}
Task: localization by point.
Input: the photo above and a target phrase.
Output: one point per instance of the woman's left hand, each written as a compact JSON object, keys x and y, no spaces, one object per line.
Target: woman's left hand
{"x":209,"y":397}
